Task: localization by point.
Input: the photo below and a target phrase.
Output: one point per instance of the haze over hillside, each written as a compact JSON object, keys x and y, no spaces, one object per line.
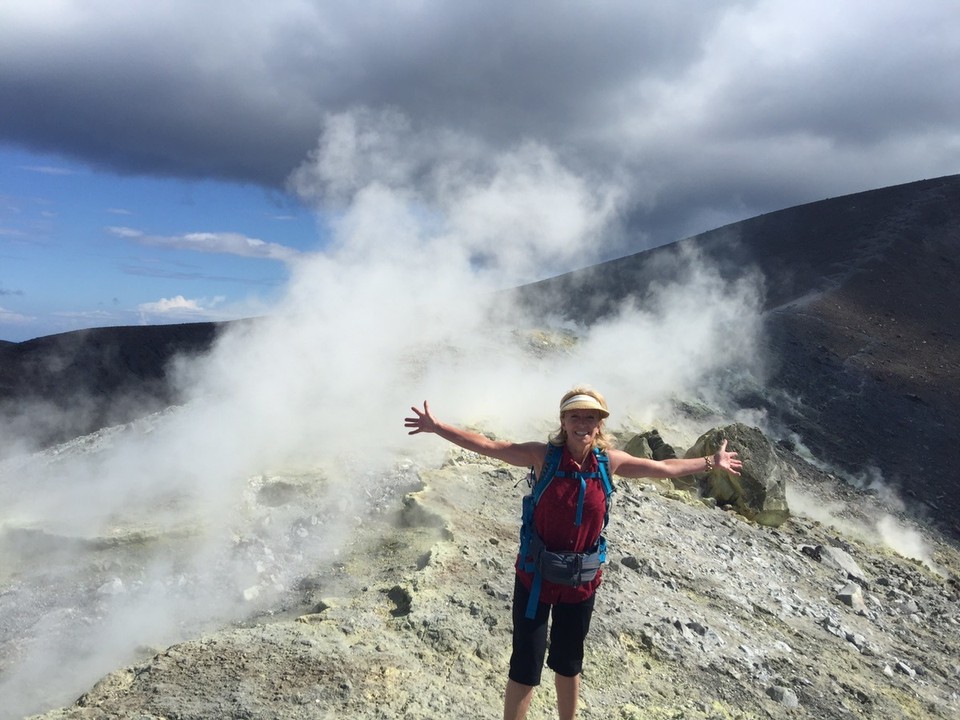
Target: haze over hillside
{"x":859,"y":355}
{"x":230,"y":506}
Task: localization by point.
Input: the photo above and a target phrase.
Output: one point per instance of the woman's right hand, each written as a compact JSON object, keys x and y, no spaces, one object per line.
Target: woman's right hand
{"x":423,"y":422}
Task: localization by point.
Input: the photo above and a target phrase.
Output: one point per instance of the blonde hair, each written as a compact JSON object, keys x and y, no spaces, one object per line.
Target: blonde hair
{"x":602,"y":441}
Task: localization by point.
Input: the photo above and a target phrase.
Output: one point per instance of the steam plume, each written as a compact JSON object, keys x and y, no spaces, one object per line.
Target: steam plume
{"x":402,"y":305}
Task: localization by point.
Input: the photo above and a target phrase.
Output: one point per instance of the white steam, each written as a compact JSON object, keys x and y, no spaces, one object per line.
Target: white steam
{"x":904,"y":540}
{"x":402,"y":306}
{"x":875,"y":522}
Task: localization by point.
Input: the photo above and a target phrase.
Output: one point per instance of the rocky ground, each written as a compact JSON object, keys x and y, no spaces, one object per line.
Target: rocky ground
{"x":701,"y":614}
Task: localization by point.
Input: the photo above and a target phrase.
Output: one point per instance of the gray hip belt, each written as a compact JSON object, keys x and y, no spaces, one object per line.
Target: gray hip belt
{"x":568,"y":568}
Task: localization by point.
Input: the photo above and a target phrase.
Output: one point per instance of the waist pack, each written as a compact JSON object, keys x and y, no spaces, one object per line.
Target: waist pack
{"x":567,"y":568}
{"x":564,"y":568}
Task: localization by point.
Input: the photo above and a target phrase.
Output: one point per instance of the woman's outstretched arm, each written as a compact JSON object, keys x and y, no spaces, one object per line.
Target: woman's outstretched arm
{"x":628,"y":466}
{"x":520,"y":454}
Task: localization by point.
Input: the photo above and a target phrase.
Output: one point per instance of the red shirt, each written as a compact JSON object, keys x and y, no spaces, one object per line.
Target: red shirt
{"x":554,"y":519}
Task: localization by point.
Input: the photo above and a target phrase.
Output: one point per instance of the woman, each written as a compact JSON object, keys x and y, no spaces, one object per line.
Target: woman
{"x":565,"y":501}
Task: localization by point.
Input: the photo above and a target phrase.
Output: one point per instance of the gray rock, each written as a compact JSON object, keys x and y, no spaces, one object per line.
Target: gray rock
{"x":852,"y":596}
{"x":650,"y":445}
{"x":841,"y":559}
{"x":902,"y":667}
{"x":784,"y":696}
{"x":638,"y":447}
{"x":112,"y":587}
{"x":833,"y":626}
{"x":910,"y":607}
{"x":759,"y":493}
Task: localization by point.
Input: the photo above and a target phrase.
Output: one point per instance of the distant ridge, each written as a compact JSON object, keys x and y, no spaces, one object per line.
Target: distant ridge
{"x":862,"y":325}
{"x":801,"y":249}
{"x":103,"y":376}
{"x":862,"y":331}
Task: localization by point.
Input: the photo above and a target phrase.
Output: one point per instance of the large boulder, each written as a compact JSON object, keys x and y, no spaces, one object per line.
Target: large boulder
{"x":650,"y":445}
{"x":760,"y":492}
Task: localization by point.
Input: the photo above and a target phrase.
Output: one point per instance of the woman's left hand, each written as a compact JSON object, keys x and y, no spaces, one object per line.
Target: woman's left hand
{"x":728,"y":461}
{"x":422,"y":422}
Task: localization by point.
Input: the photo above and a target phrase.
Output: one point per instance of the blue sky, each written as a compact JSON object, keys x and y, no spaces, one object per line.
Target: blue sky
{"x":150,"y":167}
{"x":80,"y":248}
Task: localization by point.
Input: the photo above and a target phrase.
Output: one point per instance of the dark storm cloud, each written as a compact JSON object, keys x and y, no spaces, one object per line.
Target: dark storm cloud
{"x":708,"y":112}
{"x":241,"y":93}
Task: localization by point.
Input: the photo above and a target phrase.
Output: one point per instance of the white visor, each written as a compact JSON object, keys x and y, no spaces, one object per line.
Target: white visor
{"x":583,"y":402}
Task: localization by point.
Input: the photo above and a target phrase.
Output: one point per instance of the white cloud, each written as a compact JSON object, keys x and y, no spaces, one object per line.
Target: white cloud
{"x":179,"y":305}
{"x":175,"y":304}
{"x":520,"y":213}
{"x":231,"y":244}
{"x":100,"y":315}
{"x":203,"y":309}
{"x":212,"y":242}
{"x":49,"y":169}
{"x":125,"y":232}
{"x":9,"y":317}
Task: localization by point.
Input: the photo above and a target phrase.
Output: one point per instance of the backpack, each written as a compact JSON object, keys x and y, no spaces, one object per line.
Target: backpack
{"x":564,"y":568}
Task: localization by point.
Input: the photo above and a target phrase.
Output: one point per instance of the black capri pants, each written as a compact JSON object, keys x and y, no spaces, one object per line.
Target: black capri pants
{"x":571,"y":622}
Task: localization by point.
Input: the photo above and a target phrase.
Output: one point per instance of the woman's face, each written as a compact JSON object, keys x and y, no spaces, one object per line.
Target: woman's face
{"x":582,"y":426}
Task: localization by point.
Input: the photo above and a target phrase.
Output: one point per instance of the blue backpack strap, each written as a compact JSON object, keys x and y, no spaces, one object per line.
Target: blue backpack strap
{"x":582,"y":492}
{"x":534,"y":600}
{"x":603,"y":463}
{"x":550,"y":464}
{"x":580,"y":495}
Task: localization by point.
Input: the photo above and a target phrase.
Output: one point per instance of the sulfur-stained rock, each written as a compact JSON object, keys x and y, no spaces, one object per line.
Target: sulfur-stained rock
{"x":650,"y":445}
{"x":759,"y":493}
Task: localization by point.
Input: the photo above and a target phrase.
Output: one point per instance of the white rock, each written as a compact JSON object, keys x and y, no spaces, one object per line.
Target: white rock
{"x":112,"y":587}
{"x":841,"y":560}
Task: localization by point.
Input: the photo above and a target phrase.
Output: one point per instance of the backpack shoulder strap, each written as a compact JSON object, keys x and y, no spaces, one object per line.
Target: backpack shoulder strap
{"x":550,"y":464}
{"x":603,"y":463}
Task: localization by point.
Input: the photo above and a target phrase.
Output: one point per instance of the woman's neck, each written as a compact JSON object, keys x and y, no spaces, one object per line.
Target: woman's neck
{"x":579,"y":451}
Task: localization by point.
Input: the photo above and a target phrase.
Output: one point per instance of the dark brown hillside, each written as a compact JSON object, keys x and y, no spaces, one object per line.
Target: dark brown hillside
{"x":862,"y":326}
{"x":57,"y":387}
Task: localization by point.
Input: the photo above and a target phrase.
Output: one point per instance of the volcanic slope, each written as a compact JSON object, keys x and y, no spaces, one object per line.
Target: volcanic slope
{"x":862,"y":333}
{"x":701,"y":615}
